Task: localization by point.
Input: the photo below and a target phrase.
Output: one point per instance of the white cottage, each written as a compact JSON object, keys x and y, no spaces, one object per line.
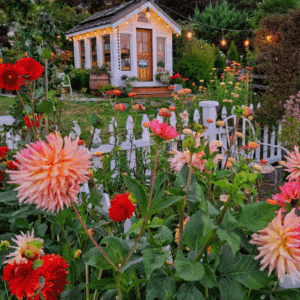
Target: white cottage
{"x":134,"y":39}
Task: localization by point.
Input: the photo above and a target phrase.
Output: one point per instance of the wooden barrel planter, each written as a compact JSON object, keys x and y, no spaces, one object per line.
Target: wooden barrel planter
{"x":96,"y":81}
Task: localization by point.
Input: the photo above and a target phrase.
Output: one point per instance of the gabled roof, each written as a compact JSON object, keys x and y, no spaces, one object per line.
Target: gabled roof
{"x":108,"y":17}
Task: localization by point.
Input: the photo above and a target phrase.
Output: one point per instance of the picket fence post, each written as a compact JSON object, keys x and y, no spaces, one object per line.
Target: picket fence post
{"x":209,"y":111}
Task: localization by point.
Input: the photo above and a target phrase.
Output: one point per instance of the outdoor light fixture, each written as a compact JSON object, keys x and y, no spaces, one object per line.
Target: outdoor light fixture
{"x":148,"y":14}
{"x":189,"y":34}
{"x":247,"y":42}
{"x":269,"y":38}
{"x":223,"y":41}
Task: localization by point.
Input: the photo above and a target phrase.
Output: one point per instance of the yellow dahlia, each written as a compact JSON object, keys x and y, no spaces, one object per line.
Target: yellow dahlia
{"x":49,"y":174}
{"x":279,"y":245}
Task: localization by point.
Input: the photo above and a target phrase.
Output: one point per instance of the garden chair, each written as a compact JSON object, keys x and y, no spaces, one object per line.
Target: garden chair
{"x":66,"y":81}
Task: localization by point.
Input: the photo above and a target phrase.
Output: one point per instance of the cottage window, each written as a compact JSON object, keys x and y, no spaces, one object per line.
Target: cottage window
{"x":125,"y":52}
{"x":161,"y":54}
{"x":106,"y":50}
{"x":82,"y":53}
{"x":93,"y":50}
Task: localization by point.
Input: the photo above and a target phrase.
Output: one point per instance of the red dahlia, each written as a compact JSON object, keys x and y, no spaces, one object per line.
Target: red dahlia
{"x":55,"y":274}
{"x":3,"y":151}
{"x":12,"y":165}
{"x":30,"y":68}
{"x":10,"y":77}
{"x":29,"y":123}
{"x":22,"y":279}
{"x":1,"y":176}
{"x":121,"y":208}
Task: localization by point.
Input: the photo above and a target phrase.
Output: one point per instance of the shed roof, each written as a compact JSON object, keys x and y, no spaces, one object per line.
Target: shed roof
{"x":111,"y":15}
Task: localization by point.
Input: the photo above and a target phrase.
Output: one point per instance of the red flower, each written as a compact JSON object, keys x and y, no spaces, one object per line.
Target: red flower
{"x":12,"y":165}
{"x":121,"y":208}
{"x":53,"y":56}
{"x":23,"y":281}
{"x":30,"y":68}
{"x":142,"y":107}
{"x":116,"y":92}
{"x":171,"y":87}
{"x":1,"y":176}
{"x":185,"y":79}
{"x":263,"y":161}
{"x":131,"y":94}
{"x":3,"y":151}
{"x":163,"y":130}
{"x":172,"y":108}
{"x":55,"y":274}
{"x":119,"y":107}
{"x":108,"y":92}
{"x":29,"y":123}
{"x":10,"y":77}
{"x":249,"y":68}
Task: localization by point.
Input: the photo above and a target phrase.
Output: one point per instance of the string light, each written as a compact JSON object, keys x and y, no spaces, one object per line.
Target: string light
{"x":269,"y":38}
{"x":189,"y":34}
{"x":148,"y":14}
{"x":223,"y":41}
{"x":246,"y":42}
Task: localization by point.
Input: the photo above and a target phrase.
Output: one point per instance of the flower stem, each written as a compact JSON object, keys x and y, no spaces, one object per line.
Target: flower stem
{"x":41,"y":295}
{"x":87,"y":281}
{"x":119,"y":285}
{"x":91,"y":238}
{"x":96,"y":291}
{"x":183,"y":202}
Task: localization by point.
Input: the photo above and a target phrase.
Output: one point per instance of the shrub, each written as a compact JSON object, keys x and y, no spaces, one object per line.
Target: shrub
{"x":104,"y":88}
{"x":197,"y":61}
{"x":79,"y":79}
{"x":232,"y":53}
{"x":220,"y":62}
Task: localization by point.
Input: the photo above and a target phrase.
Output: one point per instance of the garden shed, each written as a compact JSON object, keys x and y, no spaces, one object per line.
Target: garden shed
{"x":133,"y":39}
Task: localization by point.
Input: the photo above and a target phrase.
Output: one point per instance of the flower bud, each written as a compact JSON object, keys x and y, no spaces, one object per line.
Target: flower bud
{"x":4,"y":245}
{"x":77,"y":253}
{"x":91,"y":231}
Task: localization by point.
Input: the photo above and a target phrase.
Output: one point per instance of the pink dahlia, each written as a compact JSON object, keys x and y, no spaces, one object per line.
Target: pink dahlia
{"x":280,"y":245}
{"x":22,"y":241}
{"x":163,"y":130}
{"x":293,"y":164}
{"x":49,"y":174}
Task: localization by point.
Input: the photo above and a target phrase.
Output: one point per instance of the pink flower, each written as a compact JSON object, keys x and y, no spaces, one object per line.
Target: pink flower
{"x":163,"y":130}
{"x":279,"y":245}
{"x":49,"y":175}
{"x":293,"y":164}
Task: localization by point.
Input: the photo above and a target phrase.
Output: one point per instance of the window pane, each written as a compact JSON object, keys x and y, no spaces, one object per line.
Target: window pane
{"x":106,"y":49}
{"x":93,"y":50}
{"x":125,"y":52}
{"x":82,"y":53}
{"x":160,"y":43}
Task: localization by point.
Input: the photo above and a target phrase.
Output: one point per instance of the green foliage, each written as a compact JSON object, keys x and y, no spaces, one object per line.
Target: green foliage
{"x":221,"y":16}
{"x":79,"y":78}
{"x":232,"y":53}
{"x":197,"y":60}
{"x":220,"y":62}
{"x":268,"y":7}
{"x":105,"y":88}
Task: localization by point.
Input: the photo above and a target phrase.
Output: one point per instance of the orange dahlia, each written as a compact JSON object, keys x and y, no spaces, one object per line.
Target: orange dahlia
{"x":279,"y":245}
{"x":49,"y":174}
{"x":293,"y":164}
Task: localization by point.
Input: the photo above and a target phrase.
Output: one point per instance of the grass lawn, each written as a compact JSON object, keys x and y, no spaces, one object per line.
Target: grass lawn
{"x":80,"y":111}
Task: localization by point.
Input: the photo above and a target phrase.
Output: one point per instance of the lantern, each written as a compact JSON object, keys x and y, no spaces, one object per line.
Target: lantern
{"x":246,"y":42}
{"x":189,"y":34}
{"x":148,"y":14}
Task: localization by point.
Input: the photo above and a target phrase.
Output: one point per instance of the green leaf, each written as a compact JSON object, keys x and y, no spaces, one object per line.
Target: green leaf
{"x":103,"y":284}
{"x":231,"y":238}
{"x":164,"y":203}
{"x":21,"y":223}
{"x":38,"y":92}
{"x":188,"y":292}
{"x":187,"y":270}
{"x":209,"y":279}
{"x":136,"y":282}
{"x":159,"y":187}
{"x":288,"y":294}
{"x":9,"y":198}
{"x":212,"y":211}
{"x":51,"y":93}
{"x":196,"y":193}
{"x":238,"y":197}
{"x":197,"y":230}
{"x":256,"y":216}
{"x":45,"y":107}
{"x":231,"y":290}
{"x":138,"y":192}
{"x":222,"y":174}
{"x":120,"y":247}
{"x":28,"y":109}
{"x":93,"y":118}
{"x":153,"y":259}
{"x":223,"y":184}
{"x":163,"y":237}
{"x":46,"y":53}
{"x":160,"y":287}
{"x":41,"y":230}
{"x":95,"y":259}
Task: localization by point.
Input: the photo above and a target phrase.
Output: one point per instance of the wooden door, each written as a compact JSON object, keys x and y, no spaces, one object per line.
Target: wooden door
{"x":144,"y":54}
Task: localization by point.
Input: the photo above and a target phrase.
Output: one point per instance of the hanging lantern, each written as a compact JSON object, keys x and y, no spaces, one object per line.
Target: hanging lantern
{"x":223,"y":42}
{"x":269,"y":38}
{"x":189,"y":34}
{"x":148,"y":14}
{"x":247,"y":42}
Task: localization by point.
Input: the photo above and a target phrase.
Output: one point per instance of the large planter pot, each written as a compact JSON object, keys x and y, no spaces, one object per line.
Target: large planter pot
{"x":96,"y":81}
{"x":177,"y":87}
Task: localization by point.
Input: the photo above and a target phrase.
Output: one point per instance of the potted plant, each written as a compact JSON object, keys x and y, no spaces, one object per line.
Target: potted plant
{"x":160,"y":66}
{"x":128,"y":80}
{"x":163,"y":77}
{"x":177,"y":81}
{"x":99,"y":76}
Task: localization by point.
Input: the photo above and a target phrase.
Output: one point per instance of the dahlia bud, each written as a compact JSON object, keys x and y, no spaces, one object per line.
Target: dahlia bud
{"x":231,"y":159}
{"x":91,"y":231}
{"x":135,"y":107}
{"x":31,"y":252}
{"x":77,"y":253}
{"x":250,"y":118}
{"x":146,"y":124}
{"x":4,"y":245}
{"x":98,"y":153}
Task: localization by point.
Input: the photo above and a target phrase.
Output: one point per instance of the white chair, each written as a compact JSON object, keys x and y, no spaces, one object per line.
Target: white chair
{"x":66,"y":81}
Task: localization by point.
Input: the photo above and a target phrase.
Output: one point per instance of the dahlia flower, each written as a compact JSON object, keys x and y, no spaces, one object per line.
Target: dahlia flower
{"x":119,"y":107}
{"x":121,"y":208}
{"x":131,"y":94}
{"x":22,"y":241}
{"x":30,"y":68}
{"x":3,"y":151}
{"x":293,"y":164}
{"x":163,"y":130}
{"x":29,"y":123}
{"x":252,"y":145}
{"x":280,"y":245}
{"x":49,"y":175}
{"x":10,"y":77}
{"x":23,"y":281}
{"x":116,"y":92}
